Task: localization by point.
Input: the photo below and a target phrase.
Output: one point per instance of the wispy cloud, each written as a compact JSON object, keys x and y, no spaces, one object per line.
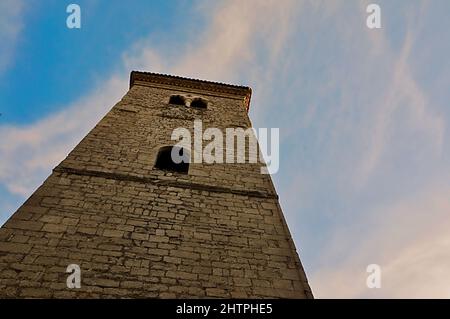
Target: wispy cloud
{"x":29,"y":152}
{"x":409,"y":240}
{"x":378,"y":187}
{"x":11,"y":23}
{"x":403,"y":98}
{"x":235,"y":32}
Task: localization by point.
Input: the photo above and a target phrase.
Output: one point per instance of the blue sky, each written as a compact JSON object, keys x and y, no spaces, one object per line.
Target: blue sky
{"x":363,"y":114}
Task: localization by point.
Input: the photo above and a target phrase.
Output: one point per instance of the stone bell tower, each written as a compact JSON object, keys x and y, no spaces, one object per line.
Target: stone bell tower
{"x":141,"y":226}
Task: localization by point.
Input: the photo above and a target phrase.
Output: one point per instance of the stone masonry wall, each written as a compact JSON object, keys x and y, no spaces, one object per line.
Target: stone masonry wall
{"x":140,"y":232}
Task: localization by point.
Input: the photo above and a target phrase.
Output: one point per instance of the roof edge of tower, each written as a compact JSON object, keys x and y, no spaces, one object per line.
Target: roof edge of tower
{"x":174,"y":80}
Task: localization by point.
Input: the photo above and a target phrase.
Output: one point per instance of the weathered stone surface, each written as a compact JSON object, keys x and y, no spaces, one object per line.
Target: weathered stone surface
{"x":136,"y":231}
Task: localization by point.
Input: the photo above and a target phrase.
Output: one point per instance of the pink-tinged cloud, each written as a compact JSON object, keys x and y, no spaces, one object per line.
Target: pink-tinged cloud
{"x":29,"y":152}
{"x":408,"y":239}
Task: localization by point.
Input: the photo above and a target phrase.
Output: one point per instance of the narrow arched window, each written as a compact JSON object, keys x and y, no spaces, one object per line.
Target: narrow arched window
{"x":177,"y":100}
{"x":173,"y":158}
{"x":199,"y":103}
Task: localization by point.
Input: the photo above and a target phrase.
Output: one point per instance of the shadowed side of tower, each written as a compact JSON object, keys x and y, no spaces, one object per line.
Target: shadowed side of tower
{"x":137,"y":228}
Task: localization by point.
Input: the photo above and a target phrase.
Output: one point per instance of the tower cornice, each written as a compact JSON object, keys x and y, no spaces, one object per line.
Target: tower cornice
{"x":178,"y":81}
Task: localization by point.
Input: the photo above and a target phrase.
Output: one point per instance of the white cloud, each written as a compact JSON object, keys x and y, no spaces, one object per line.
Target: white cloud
{"x":31,"y":151}
{"x":10,"y":26}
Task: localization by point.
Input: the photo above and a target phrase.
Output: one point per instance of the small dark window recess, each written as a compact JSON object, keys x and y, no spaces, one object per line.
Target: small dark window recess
{"x":199,"y":103}
{"x":179,"y":164}
{"x":177,"y":100}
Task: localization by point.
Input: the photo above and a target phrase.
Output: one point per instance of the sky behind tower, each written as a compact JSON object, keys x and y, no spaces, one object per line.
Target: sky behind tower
{"x":363,"y":114}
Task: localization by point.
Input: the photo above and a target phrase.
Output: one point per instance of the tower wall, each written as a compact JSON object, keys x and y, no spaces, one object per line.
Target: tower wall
{"x":136,"y":231}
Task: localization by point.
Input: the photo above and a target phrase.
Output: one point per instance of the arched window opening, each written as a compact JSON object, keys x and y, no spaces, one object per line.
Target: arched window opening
{"x":177,"y":100}
{"x":178,"y":163}
{"x":199,"y":103}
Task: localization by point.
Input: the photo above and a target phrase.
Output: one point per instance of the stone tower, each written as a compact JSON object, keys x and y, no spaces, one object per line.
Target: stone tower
{"x":139,"y":229}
